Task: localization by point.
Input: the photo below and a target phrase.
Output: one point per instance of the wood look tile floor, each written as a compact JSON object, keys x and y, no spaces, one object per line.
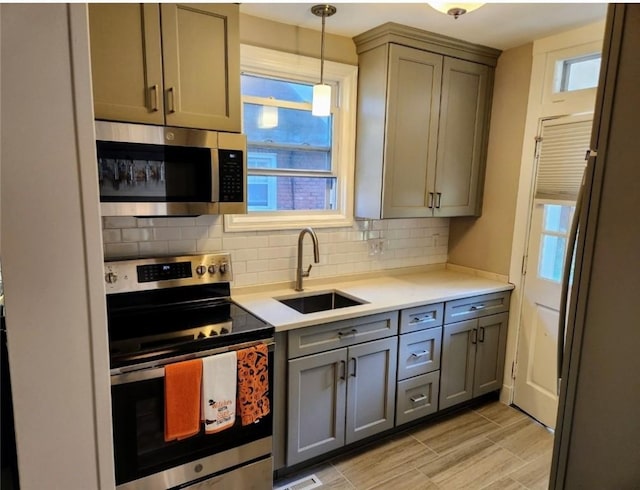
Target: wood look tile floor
{"x":492,"y":447}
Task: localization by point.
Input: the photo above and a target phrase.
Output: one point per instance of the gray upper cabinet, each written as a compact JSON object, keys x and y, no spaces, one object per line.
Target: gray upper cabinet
{"x":174,"y":64}
{"x":461,"y":138}
{"x":423,"y":117}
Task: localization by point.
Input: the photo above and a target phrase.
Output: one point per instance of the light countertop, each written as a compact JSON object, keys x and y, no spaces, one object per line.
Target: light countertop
{"x":381,"y":294}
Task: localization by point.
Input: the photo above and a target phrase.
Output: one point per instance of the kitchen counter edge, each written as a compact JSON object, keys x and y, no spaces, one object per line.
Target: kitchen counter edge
{"x":381,"y":294}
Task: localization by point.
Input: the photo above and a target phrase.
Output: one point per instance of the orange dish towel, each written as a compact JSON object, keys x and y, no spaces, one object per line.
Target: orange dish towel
{"x":182,"y":385}
{"x":253,"y":383}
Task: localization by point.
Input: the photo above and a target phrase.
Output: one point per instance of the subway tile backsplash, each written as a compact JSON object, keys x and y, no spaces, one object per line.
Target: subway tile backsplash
{"x":263,"y":257}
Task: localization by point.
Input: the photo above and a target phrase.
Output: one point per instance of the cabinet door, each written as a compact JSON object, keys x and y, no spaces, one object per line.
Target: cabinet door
{"x":461,"y":138}
{"x":126,"y":62}
{"x":201,"y":54}
{"x":317,"y":401}
{"x":413,"y":105}
{"x":371,"y":388}
{"x":458,"y":359}
{"x":490,"y":353}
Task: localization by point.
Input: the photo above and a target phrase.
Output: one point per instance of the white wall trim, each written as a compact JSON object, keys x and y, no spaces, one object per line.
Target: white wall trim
{"x":92,"y":231}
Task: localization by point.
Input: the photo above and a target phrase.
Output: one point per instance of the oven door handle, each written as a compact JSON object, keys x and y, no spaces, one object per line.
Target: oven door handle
{"x":155,"y":369}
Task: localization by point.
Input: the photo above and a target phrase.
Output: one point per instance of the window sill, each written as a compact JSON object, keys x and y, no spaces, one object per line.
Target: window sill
{"x":268,"y":221}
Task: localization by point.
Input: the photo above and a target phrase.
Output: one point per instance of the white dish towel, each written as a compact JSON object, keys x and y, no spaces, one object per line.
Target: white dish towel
{"x":219,"y":381}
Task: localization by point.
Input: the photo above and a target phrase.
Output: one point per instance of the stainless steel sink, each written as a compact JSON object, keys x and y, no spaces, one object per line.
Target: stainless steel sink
{"x":314,"y":302}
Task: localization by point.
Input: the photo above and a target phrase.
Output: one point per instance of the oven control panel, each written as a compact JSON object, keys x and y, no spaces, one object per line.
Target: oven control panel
{"x":122,"y":276}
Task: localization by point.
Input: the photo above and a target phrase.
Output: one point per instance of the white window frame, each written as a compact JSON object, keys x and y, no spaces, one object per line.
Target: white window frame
{"x":554,"y":71}
{"x":343,"y":78}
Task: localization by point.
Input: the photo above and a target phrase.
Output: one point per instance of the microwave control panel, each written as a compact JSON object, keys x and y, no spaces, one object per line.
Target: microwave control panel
{"x":231,"y":175}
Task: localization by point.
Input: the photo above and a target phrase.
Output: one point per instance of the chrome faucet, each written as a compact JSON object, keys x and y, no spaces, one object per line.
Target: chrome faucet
{"x":316,"y":256}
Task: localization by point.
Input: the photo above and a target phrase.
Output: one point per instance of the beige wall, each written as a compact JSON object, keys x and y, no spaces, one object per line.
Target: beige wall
{"x":292,"y":39}
{"x":484,"y":243}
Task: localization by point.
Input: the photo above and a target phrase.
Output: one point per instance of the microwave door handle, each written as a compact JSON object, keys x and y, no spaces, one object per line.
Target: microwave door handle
{"x":215,"y":175}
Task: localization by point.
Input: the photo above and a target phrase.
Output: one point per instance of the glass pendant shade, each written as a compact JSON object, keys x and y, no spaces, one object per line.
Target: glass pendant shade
{"x":321,"y":105}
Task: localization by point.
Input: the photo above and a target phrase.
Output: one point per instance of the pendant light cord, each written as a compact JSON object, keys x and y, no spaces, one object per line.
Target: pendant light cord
{"x":322,"y":51}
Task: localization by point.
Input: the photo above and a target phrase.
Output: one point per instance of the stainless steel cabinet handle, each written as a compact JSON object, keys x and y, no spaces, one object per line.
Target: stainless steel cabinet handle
{"x":419,"y":354}
{"x":355,"y":367}
{"x":474,"y":336}
{"x":343,"y":365}
{"x":171,"y":102}
{"x":421,"y":319}
{"x":477,"y":307}
{"x":430,"y":205}
{"x":351,"y":333}
{"x":439,"y":198}
{"x":564,"y":300}
{"x":153,"y":97}
{"x":418,"y":398}
{"x":481,"y":335}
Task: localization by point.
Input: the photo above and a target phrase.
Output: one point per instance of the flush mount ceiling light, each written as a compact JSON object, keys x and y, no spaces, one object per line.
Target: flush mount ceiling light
{"x":455,"y":9}
{"x":321,"y":105}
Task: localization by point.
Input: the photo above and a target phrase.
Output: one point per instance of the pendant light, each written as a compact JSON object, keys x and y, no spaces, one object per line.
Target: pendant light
{"x":321,"y":105}
{"x":455,"y":9}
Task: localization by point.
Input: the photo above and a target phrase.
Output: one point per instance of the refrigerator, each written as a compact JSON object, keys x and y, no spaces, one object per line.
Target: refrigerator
{"x":597,"y":438}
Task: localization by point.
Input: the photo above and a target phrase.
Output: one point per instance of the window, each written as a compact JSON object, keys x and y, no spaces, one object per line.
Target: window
{"x":580,"y":73}
{"x":297,"y":146}
{"x":571,"y":78}
{"x":300,"y":167}
{"x":557,"y":219}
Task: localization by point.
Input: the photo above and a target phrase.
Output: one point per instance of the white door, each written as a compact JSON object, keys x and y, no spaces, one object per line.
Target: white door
{"x":559,"y":172}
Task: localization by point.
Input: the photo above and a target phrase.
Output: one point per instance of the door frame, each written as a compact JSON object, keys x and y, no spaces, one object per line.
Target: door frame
{"x":545,"y":52}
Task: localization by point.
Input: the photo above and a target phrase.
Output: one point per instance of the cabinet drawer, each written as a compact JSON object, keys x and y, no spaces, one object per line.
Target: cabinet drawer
{"x":419,"y":352}
{"x":476,"y":306}
{"x":417,"y":397}
{"x":311,"y":340}
{"x":421,"y":317}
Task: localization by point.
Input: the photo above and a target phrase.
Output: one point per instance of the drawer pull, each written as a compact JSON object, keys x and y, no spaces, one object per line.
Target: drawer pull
{"x":418,"y":398}
{"x":478,"y":307}
{"x":421,"y":319}
{"x":419,"y":354}
{"x":351,"y":333}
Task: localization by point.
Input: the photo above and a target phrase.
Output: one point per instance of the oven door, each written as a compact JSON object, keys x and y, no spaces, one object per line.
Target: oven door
{"x":143,"y":459}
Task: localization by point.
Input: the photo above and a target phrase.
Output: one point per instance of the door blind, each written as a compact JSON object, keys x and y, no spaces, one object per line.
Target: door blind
{"x":561,"y":160}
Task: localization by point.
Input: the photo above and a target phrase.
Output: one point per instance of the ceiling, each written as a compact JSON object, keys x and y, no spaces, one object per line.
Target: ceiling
{"x":498,"y":25}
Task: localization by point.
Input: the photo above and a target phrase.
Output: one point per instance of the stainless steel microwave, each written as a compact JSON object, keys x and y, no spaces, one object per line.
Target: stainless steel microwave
{"x":164,"y":171}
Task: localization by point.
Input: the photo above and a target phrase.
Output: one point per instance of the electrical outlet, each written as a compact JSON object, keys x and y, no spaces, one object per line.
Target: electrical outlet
{"x":376,"y":246}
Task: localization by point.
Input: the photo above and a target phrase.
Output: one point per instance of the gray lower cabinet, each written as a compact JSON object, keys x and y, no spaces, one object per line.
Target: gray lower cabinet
{"x":419,"y":362}
{"x":473,"y":353}
{"x":339,"y":397}
{"x":417,"y":397}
